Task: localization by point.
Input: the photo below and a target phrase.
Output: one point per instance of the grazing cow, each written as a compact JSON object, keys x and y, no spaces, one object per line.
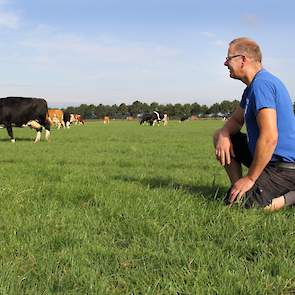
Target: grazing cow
{"x":165,"y":119}
{"x":106,"y":120}
{"x":67,"y":119}
{"x":19,"y":111}
{"x":153,"y":118}
{"x":56,"y":117}
{"x":76,"y":118}
{"x":183,"y":118}
{"x":146,"y":118}
{"x":157,"y":118}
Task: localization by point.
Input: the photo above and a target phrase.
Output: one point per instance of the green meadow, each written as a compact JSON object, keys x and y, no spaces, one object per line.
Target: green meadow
{"x":130,"y":209}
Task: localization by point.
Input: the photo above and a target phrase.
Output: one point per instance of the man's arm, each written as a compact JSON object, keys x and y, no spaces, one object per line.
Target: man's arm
{"x":266,"y":143}
{"x":265,"y":146}
{"x":222,"y":143}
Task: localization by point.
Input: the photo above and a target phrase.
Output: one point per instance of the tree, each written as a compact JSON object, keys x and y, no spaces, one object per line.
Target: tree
{"x":169,"y":108}
{"x":187,"y":109}
{"x":195,"y":109}
{"x":86,"y":111}
{"x":204,"y":109}
{"x":214,"y":109}
{"x":123,"y":110}
{"x":136,"y":108}
{"x":154,"y":106}
{"x":100,"y":111}
{"x":178,"y":110}
{"x":174,"y":111}
{"x":225,"y":107}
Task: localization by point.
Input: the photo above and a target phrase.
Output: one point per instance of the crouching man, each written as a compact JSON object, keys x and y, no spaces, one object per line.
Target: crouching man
{"x":268,"y":149}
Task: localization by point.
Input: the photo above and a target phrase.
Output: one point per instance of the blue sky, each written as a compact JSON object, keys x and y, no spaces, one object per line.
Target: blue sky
{"x":99,"y":51}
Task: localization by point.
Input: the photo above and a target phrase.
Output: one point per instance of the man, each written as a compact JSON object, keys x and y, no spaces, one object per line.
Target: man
{"x":268,"y":150}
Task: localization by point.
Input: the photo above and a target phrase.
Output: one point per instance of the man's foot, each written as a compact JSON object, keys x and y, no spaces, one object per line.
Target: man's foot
{"x":276,"y":204}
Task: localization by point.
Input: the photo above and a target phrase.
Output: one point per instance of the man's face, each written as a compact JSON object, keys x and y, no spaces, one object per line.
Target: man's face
{"x":234,"y":62}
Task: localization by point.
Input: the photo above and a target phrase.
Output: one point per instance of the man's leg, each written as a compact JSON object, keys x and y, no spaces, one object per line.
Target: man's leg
{"x":234,"y":171}
{"x":273,"y":190}
{"x":242,"y":156}
{"x":281,"y":202}
{"x":290,"y":198}
{"x":276,"y":204}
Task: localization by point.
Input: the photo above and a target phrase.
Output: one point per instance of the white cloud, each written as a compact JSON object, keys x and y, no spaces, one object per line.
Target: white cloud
{"x":208,"y":34}
{"x":8,"y":19}
{"x":50,"y":63}
{"x":212,"y":37}
{"x":53,"y":46}
{"x":250,"y":19}
{"x":220,"y":43}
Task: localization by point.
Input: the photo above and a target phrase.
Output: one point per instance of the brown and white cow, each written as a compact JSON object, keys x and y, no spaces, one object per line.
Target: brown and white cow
{"x":56,"y":117}
{"x":106,"y":120}
{"x":76,"y":118}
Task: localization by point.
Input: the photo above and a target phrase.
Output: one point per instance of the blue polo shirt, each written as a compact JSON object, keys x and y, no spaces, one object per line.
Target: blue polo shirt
{"x":267,"y":91}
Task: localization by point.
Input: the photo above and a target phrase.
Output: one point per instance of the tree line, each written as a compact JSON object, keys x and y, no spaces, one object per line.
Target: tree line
{"x":174,"y":111}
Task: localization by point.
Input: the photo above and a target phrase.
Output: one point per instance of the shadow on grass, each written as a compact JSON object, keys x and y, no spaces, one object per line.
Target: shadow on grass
{"x":17,"y":139}
{"x":209,"y":192}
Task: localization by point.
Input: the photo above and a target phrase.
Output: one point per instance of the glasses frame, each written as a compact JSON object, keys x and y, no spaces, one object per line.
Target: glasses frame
{"x":228,"y":58}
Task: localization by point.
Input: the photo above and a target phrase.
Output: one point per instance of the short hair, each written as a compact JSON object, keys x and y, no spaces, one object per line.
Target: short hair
{"x":247,"y":47}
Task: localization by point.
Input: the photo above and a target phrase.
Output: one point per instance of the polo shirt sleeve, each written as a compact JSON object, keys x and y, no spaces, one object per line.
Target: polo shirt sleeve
{"x":264,"y":95}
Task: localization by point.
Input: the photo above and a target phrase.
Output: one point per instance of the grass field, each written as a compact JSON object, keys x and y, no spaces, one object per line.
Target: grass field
{"x":129,"y":209}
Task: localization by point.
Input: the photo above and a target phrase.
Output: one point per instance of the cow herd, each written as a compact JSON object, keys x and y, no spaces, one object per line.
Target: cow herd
{"x":63,"y":119}
{"x":34,"y":113}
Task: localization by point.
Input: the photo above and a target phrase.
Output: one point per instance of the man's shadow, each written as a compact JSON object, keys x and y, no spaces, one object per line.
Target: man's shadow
{"x":211,"y":193}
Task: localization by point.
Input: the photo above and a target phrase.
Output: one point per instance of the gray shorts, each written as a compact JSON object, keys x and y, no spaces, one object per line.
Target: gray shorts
{"x":277,"y":178}
{"x":273,"y":182}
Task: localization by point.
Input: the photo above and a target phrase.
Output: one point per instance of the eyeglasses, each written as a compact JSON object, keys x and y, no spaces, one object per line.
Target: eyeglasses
{"x":228,"y":58}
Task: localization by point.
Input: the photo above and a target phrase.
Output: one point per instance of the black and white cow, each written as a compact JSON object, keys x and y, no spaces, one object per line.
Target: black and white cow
{"x":153,"y":118}
{"x":67,"y":119}
{"x":19,"y":111}
{"x":146,"y":118}
{"x":184,"y":118}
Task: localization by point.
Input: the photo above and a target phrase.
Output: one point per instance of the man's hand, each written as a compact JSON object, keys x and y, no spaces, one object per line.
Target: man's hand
{"x":240,"y":188}
{"x":223,"y":147}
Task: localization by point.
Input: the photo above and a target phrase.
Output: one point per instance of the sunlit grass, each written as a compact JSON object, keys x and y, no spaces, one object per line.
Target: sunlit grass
{"x":129,"y":209}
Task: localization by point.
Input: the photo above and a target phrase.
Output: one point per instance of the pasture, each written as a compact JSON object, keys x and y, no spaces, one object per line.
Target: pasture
{"x":129,"y":209}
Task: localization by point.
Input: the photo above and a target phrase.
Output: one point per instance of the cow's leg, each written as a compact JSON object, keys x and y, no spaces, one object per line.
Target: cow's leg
{"x":37,"y":126}
{"x":10,"y":133}
{"x":46,"y":124}
{"x":38,"y":136}
{"x":47,"y":134}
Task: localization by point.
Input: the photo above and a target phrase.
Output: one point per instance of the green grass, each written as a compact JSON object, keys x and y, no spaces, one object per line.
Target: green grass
{"x":129,"y":209}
